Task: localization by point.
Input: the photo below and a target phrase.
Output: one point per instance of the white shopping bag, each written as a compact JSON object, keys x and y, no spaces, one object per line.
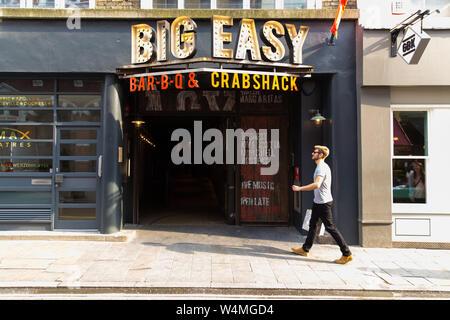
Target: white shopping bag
{"x":305,"y":225}
{"x":306,"y":220}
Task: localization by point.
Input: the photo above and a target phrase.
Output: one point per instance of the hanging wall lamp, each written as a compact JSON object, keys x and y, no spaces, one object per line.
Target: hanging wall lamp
{"x":317,"y":118}
{"x":138,"y":122}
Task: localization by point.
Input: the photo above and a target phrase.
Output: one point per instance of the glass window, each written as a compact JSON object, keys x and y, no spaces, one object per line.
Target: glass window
{"x":229,"y":4}
{"x":26,"y":101}
{"x":409,"y":128}
{"x":25,"y":148}
{"x":77,"y":213}
{"x":78,"y":134}
{"x":76,"y":3}
{"x":75,"y":115}
{"x":26,"y":165}
{"x":165,"y":4}
{"x":43,"y":3}
{"x":77,"y":197}
{"x":262,"y":4}
{"x":25,"y":132}
{"x":26,"y":115}
{"x":78,"y":165}
{"x":10,"y":3}
{"x":26,"y":85}
{"x":409,"y":162}
{"x":25,"y":197}
{"x":74,"y":85}
{"x":295,"y":4}
{"x":409,"y":180}
{"x":78,"y":149}
{"x":197,"y":4}
{"x":79,"y":101}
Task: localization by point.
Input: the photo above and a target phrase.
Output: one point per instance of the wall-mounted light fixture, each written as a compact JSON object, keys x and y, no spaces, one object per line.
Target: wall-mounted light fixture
{"x":317,"y":118}
{"x":138,"y":122}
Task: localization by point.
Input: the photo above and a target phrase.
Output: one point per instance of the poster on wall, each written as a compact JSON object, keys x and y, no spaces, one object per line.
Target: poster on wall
{"x":263,"y":198}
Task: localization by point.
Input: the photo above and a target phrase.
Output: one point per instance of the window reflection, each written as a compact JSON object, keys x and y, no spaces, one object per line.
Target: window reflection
{"x":43,"y":3}
{"x":295,"y":4}
{"x":409,"y":129}
{"x":197,"y":4}
{"x":10,"y":3}
{"x":409,"y":181}
{"x":165,"y":4}
{"x":262,"y":4}
{"x":229,"y":4}
{"x":77,"y":3}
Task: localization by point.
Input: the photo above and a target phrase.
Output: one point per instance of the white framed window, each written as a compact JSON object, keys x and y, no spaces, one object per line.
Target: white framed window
{"x":419,"y":159}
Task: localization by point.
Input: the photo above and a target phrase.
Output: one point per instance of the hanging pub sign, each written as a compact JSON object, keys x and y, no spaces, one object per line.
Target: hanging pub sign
{"x":413,"y":45}
{"x":182,"y":39}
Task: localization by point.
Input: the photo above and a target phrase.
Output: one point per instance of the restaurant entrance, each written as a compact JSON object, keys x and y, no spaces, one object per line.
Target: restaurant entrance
{"x":166,"y":192}
{"x":192,"y":164}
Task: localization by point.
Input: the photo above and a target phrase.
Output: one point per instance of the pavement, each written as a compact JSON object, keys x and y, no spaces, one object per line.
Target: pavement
{"x":215,"y":260}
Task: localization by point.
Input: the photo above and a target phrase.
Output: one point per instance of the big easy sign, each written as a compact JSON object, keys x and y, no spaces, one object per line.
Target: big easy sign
{"x":181,"y":37}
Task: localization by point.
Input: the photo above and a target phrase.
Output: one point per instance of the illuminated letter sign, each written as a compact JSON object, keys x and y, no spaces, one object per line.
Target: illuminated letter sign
{"x":142,"y":37}
{"x":219,"y":37}
{"x":148,"y":45}
{"x":183,"y":44}
{"x":248,"y":40}
{"x":273,"y":41}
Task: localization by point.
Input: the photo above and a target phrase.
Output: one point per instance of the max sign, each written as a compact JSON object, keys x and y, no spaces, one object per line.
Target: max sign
{"x":181,"y":38}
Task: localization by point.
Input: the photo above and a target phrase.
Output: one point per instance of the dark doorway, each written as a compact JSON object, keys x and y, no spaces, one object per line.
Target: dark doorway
{"x":175,"y":194}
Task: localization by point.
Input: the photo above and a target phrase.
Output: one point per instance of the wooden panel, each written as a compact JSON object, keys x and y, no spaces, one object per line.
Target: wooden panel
{"x":264,"y":198}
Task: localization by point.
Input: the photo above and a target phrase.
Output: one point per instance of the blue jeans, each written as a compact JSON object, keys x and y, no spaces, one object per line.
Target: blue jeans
{"x":323,"y":212}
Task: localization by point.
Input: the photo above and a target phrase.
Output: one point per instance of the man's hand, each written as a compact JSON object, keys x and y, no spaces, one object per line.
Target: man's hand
{"x":296,"y":188}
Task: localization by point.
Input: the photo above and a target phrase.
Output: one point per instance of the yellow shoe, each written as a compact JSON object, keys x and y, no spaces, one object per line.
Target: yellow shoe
{"x":344,"y":259}
{"x":300,"y":251}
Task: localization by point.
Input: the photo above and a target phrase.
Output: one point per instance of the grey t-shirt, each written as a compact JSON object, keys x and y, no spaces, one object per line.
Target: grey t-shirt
{"x":323,"y":193}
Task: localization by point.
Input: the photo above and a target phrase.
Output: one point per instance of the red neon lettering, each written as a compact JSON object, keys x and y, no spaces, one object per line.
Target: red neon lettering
{"x":150,"y":81}
{"x":132,"y":84}
{"x":164,"y":81}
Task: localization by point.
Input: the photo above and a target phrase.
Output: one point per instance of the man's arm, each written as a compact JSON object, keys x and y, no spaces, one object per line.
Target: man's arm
{"x":315,"y":185}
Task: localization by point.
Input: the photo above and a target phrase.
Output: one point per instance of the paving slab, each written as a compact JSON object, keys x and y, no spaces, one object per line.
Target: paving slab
{"x":227,"y":258}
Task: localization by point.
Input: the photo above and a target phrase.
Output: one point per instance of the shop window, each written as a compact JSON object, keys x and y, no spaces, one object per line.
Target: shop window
{"x":79,"y":101}
{"x":78,"y":85}
{"x":26,"y":85}
{"x":26,"y":165}
{"x":77,"y":196}
{"x":410,"y":153}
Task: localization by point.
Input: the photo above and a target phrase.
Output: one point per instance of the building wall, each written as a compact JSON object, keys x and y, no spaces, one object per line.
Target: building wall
{"x":388,"y":84}
{"x":376,"y":196}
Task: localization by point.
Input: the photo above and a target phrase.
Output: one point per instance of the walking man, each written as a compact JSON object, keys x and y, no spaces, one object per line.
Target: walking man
{"x":321,"y":208}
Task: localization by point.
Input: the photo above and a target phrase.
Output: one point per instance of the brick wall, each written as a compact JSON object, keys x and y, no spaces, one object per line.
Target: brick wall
{"x":327,"y":4}
{"x":118,"y":4}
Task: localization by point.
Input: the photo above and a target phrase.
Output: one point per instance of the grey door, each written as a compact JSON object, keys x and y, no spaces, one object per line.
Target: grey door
{"x":77,"y":178}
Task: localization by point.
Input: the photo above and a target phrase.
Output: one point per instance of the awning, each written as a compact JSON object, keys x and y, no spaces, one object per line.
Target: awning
{"x":214,"y":65}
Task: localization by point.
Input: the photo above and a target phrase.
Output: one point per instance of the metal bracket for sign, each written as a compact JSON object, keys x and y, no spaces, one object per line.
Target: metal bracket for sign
{"x":412,"y":19}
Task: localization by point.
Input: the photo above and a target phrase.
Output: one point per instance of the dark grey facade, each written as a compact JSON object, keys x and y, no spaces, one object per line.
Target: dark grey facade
{"x":33,"y":48}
